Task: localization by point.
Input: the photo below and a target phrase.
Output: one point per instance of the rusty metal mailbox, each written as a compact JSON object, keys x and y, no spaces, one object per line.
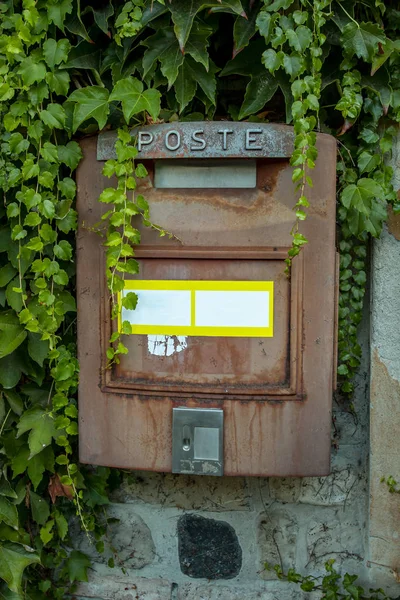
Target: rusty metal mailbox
{"x":219,"y":326}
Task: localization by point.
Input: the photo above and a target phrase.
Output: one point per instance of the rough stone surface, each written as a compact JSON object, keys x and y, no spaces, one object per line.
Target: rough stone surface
{"x":128,"y":541}
{"x":384,"y":509}
{"x":126,"y":588}
{"x":184,"y":491}
{"x":191,"y":591}
{"x":208,"y":548}
{"x":277,"y":540}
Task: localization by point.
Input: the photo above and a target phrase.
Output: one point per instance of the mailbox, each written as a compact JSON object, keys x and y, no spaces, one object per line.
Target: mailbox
{"x":231,"y":362}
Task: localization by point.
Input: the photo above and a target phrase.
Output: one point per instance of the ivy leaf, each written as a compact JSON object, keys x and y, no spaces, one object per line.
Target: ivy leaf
{"x":367,"y":162}
{"x":359,"y":195}
{"x":362,"y":39}
{"x":78,"y":564}
{"x":37,"y":348}
{"x":31,"y":71}
{"x":8,"y":513}
{"x":55,"y":52}
{"x":197,"y":43}
{"x":293,"y":64}
{"x":91,"y":102}
{"x":278,"y":4}
{"x":62,"y":525}
{"x":10,"y":370}
{"x":58,"y":82}
{"x":183,"y":13}
{"x":13,"y":561}
{"x":101,"y":16}
{"x":134,"y":100}
{"x":12,"y":333}
{"x":163,"y":46}
{"x":40,"y":508}
{"x":244,"y":29}
{"x":57,"y":12}
{"x":53,"y":116}
{"x":247,"y":62}
{"x":84,"y":56}
{"x":41,"y":427}
{"x":70,"y":154}
{"x":6,"y":274}
{"x":38,"y":464}
{"x":300,"y":38}
{"x":191,"y":74}
{"x":258,"y":92}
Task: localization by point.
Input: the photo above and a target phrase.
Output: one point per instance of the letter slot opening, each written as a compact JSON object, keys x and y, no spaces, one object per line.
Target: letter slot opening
{"x":206,"y":174}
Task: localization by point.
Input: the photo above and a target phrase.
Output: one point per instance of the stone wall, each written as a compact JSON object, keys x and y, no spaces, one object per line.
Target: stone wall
{"x":207,"y":538}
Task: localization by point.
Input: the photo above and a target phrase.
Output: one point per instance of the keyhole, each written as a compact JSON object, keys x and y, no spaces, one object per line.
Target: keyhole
{"x":186,"y":438}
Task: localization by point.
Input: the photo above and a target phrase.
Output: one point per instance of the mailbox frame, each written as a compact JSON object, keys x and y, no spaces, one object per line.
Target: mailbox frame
{"x":277,"y":430}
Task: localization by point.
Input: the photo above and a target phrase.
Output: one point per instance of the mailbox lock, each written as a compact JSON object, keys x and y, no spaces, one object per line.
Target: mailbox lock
{"x":186,"y":438}
{"x":197,"y":441}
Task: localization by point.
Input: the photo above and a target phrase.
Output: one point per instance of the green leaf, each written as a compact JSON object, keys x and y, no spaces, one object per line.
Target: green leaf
{"x":102,"y":15}
{"x":46,"y":532}
{"x":63,"y":250}
{"x":368,"y":162}
{"x":258,"y":92}
{"x":57,"y":12}
{"x":130,"y":300}
{"x":91,"y":102}
{"x":8,"y":513}
{"x":62,"y":525}
{"x":183,"y":13}
{"x":55,"y":52}
{"x":244,"y":29}
{"x":37,"y":348}
{"x":12,"y":334}
{"x":77,"y":565}
{"x":58,"y":82}
{"x":278,"y":4}
{"x":362,"y":39}
{"x":14,"y":559}
{"x":54,"y":116}
{"x":272,"y":60}
{"x":10,"y":370}
{"x":40,"y":508}
{"x":134,"y":100}
{"x":31,"y":71}
{"x":38,"y":464}
{"x":163,"y":46}
{"x":70,"y":154}
{"x":84,"y":56}
{"x":359,"y":196}
{"x":6,"y":274}
{"x":41,"y":427}
{"x":191,"y":74}
{"x":14,"y":401}
{"x":294,"y":65}
{"x":300,"y":38}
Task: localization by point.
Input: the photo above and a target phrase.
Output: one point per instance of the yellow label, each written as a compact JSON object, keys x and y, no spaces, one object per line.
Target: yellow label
{"x":200,"y":308}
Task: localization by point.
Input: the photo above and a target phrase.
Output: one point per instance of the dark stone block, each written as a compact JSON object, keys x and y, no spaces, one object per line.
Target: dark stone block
{"x":208,"y":549}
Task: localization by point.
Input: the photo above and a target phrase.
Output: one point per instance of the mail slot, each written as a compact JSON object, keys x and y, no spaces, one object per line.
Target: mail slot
{"x":231,"y":362}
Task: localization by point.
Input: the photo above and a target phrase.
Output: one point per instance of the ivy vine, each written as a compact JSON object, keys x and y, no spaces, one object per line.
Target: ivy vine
{"x":69,"y":68}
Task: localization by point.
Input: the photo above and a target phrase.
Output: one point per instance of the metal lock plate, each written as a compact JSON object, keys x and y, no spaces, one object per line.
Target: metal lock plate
{"x":197,"y":441}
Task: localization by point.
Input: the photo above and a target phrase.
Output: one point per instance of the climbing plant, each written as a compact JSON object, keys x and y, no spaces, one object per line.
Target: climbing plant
{"x":69,"y":68}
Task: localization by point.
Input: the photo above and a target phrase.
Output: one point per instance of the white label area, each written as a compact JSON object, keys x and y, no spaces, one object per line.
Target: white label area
{"x":232,"y":309}
{"x":199,"y":308}
{"x":160,"y":307}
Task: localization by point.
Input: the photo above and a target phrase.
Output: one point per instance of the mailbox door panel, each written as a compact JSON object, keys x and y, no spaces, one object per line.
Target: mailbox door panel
{"x":275,"y":392}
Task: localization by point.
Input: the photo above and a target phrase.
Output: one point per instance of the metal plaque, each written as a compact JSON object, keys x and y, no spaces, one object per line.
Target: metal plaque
{"x":197,"y":441}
